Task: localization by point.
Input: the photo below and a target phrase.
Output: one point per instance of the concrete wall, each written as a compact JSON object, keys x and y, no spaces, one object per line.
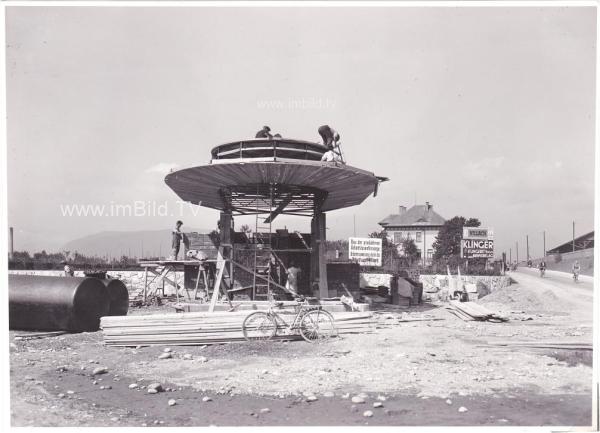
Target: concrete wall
{"x":434,"y":284}
{"x":564,"y":262}
{"x":134,"y":280}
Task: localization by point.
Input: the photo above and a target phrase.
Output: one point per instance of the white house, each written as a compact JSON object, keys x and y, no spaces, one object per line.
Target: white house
{"x":419,"y":223}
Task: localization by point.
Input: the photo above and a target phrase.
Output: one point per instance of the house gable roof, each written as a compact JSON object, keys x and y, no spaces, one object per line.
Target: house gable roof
{"x":418,"y":215}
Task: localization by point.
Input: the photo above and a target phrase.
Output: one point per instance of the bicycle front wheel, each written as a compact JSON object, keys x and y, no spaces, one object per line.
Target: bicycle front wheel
{"x":317,"y":326}
{"x":259,"y":326}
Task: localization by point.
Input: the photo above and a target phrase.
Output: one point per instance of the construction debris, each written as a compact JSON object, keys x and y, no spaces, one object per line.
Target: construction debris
{"x":473,"y":311}
{"x":205,"y":328}
{"x":575,"y":345}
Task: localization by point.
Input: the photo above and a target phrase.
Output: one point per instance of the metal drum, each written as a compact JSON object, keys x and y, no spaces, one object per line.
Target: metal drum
{"x":56,"y":303}
{"x":118,"y":297}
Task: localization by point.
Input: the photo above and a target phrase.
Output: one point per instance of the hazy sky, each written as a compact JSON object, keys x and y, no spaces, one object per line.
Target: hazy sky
{"x":484,"y":112}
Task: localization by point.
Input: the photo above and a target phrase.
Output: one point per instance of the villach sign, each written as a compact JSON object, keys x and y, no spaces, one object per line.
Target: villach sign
{"x":477,"y":243}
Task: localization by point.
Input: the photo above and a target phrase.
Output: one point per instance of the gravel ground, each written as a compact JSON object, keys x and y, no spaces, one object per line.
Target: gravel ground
{"x":421,"y":360}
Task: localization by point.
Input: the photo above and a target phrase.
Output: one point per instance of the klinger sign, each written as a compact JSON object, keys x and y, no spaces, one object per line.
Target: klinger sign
{"x":477,"y":243}
{"x":365,"y":251}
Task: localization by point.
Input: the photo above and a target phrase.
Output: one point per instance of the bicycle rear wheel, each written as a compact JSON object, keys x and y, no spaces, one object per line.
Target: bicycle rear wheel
{"x":317,"y":326}
{"x":259,"y":326}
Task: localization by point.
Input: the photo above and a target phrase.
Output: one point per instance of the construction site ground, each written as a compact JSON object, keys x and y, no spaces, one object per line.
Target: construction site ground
{"x":425,"y":372}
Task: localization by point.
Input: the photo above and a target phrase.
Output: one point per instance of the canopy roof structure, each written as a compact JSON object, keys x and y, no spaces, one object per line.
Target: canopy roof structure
{"x":263,"y":175}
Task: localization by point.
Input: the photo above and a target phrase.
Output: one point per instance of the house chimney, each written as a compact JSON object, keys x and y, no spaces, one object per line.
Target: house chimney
{"x":401,"y":209}
{"x":429,"y":206}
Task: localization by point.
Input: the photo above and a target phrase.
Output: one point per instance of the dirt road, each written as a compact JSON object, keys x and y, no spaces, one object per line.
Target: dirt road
{"x":578,"y":297}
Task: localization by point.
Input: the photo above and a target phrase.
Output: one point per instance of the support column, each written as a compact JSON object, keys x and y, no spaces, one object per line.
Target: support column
{"x":314,"y":255}
{"x":323,"y":289}
{"x":225,"y":224}
{"x":224,"y":253}
{"x":318,"y":264}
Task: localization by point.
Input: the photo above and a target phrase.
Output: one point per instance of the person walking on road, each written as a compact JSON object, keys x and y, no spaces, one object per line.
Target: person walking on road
{"x":576,"y":268}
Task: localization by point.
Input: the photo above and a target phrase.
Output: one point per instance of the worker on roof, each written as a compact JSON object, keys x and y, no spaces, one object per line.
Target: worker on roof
{"x":329,"y":135}
{"x":265,"y":132}
{"x":331,"y":140}
{"x":332,"y":155}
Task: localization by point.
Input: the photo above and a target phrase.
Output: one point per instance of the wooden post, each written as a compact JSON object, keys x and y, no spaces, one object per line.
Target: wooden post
{"x":223,"y":256}
{"x":145,"y":282}
{"x":318,"y":263}
{"x":323,"y":290}
{"x":314,"y":255}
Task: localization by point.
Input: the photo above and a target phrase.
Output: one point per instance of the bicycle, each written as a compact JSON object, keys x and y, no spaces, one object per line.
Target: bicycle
{"x":312,"y":322}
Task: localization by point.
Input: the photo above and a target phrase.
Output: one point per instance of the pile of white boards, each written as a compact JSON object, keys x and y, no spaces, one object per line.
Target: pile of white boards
{"x":473,"y":311}
{"x":190,"y":329}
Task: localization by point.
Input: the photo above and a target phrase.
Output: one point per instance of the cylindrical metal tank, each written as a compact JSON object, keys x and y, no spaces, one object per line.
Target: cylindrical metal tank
{"x":56,"y":303}
{"x":118,"y":296}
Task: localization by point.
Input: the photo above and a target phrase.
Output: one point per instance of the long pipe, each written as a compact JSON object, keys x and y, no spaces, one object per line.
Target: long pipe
{"x":118,"y":297}
{"x":56,"y":303}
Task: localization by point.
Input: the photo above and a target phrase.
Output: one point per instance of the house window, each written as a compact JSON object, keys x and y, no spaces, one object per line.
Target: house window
{"x":397,"y":237}
{"x":429,"y":253}
{"x":419,"y":234}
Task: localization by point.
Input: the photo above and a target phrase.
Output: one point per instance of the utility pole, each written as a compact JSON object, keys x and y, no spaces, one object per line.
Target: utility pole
{"x":510,"y":255}
{"x":544,"y":243}
{"x":527,"y":240}
{"x":573,"y":236}
{"x":354,"y":225}
{"x":12,"y":245}
{"x":517,"y":252}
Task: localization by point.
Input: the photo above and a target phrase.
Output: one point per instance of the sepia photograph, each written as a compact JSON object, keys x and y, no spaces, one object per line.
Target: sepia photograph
{"x":299,"y":214}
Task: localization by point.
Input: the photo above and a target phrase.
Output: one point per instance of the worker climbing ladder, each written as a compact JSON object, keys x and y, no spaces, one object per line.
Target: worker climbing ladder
{"x":261,"y":289}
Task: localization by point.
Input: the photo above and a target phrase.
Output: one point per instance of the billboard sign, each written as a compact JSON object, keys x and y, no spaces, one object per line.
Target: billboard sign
{"x":477,"y":243}
{"x":365,"y":251}
{"x":477,"y":233}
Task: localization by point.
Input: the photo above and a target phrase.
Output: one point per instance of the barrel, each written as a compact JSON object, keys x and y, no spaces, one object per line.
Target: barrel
{"x":56,"y":303}
{"x":118,"y":297}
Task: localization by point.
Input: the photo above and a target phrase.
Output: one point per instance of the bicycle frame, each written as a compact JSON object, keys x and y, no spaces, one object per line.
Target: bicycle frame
{"x":302,"y":309}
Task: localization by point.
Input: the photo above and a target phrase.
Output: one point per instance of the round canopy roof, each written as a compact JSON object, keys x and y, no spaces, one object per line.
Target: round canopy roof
{"x":207,"y":185}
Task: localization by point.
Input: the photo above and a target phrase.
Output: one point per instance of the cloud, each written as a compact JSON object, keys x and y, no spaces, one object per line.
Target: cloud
{"x":162,"y":168}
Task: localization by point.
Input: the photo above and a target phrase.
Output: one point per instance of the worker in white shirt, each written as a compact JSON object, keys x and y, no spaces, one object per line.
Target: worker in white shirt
{"x":329,"y":156}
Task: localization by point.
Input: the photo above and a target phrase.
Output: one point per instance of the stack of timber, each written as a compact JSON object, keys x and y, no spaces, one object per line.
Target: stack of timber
{"x":473,"y":311}
{"x":563,"y":345}
{"x":189,"y":329}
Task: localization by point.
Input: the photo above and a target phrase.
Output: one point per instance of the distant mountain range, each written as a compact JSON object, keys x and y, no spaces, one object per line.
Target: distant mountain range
{"x":143,"y":243}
